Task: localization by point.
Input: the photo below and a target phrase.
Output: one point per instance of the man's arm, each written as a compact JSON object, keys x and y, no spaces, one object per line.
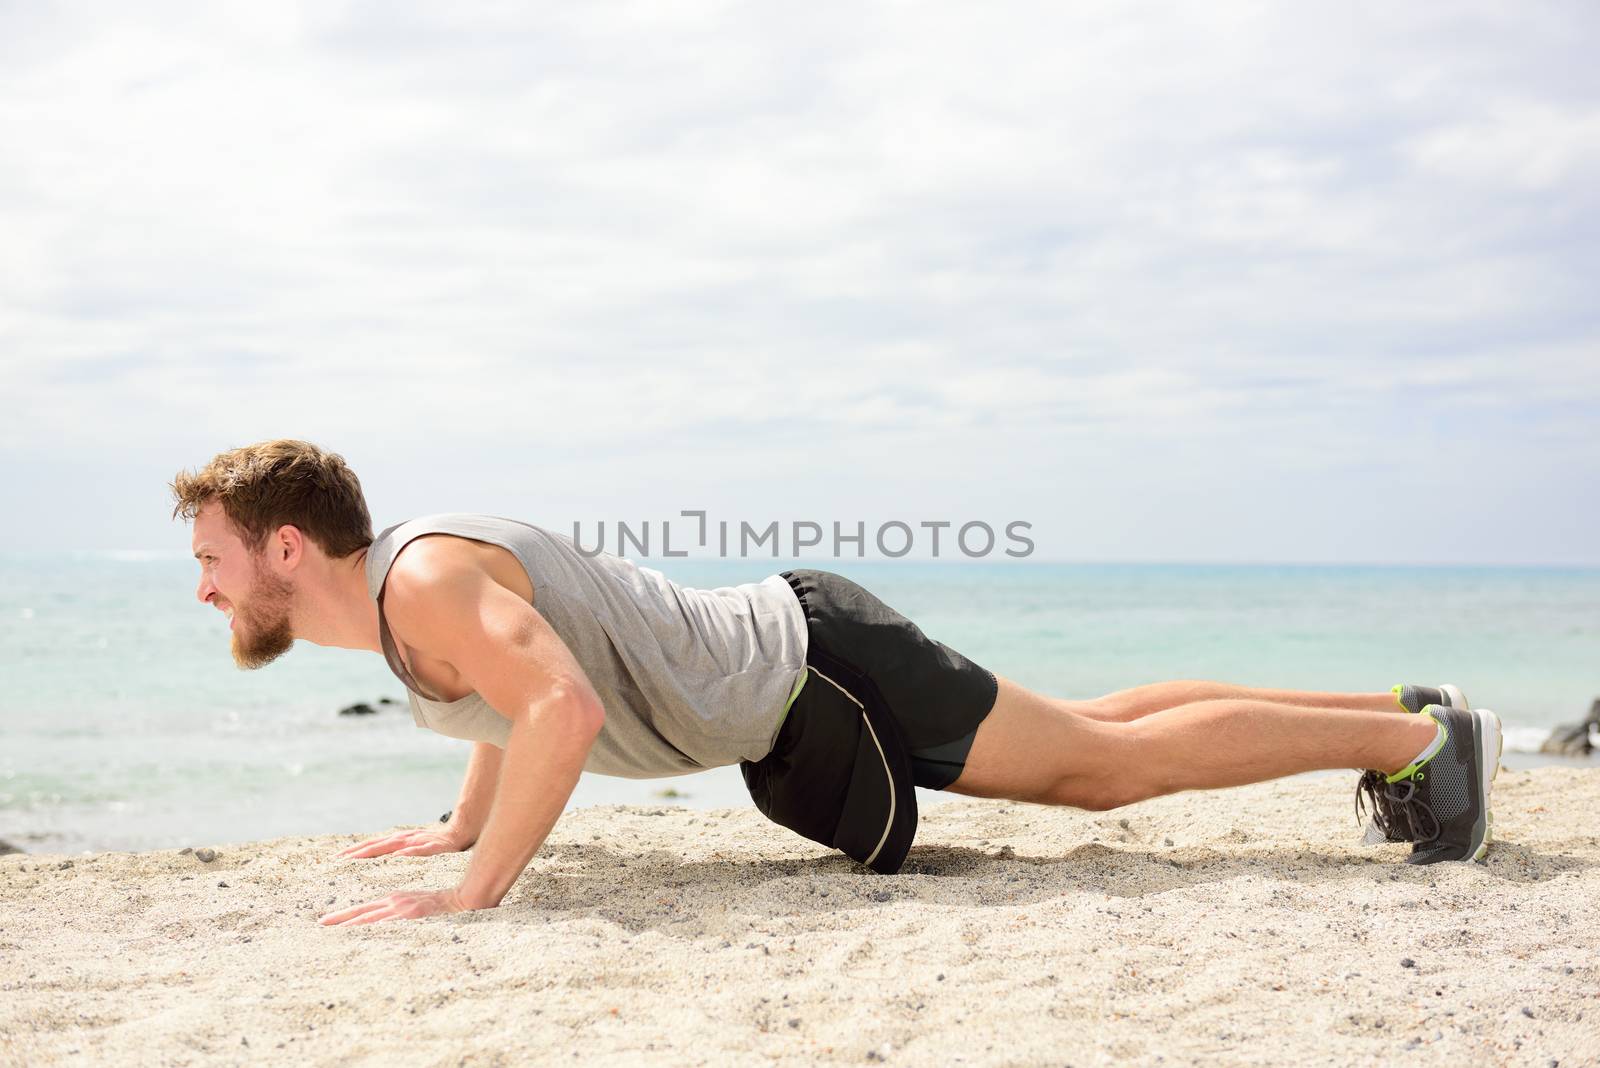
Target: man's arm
{"x":471,"y":813}
{"x":447,"y":608}
{"x":543,"y":759}
{"x":516,"y":661}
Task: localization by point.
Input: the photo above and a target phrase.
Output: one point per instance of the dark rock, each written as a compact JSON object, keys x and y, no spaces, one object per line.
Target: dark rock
{"x":359,"y":709}
{"x":64,"y":865}
{"x":1527,"y":1012}
{"x":185,"y":851}
{"x":221,"y":883}
{"x":205,"y":854}
{"x":446,"y":817}
{"x":1407,"y":962}
{"x":387,"y":701}
{"x":1577,"y":740}
{"x":6,"y":848}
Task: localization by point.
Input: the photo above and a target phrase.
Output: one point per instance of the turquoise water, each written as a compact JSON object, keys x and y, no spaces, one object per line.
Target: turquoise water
{"x":125,"y":725}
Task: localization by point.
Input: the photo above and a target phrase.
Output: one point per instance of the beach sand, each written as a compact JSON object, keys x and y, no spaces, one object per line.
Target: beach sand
{"x":1244,"y":926}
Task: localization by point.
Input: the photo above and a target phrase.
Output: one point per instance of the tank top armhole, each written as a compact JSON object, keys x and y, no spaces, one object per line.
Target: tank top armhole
{"x":391,"y":653}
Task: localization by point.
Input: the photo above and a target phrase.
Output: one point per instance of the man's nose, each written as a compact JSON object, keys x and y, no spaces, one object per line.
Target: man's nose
{"x":205,"y":590}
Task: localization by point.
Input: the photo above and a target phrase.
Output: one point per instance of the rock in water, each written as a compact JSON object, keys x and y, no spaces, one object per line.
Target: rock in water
{"x":387,"y":701}
{"x":1577,"y":740}
{"x":6,"y":848}
{"x":1569,"y":741}
{"x":359,"y":709}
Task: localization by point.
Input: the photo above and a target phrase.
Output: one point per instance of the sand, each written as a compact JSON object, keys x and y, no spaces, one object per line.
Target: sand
{"x":1244,"y":926}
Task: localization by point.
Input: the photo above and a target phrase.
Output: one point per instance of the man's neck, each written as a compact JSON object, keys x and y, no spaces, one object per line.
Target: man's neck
{"x":336,"y":610}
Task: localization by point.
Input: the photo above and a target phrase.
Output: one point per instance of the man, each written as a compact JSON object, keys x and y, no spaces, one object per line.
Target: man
{"x":833,"y":704}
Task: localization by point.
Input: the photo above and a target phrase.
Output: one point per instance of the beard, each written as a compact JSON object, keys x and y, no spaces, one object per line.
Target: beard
{"x":261,"y":629}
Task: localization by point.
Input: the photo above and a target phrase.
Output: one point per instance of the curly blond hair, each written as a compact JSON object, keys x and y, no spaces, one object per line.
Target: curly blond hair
{"x":271,"y":483}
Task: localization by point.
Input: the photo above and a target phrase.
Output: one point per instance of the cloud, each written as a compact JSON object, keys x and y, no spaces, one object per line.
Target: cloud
{"x":647,"y":234}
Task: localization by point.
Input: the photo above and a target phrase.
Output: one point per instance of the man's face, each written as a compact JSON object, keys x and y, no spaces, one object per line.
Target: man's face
{"x":241,"y":584}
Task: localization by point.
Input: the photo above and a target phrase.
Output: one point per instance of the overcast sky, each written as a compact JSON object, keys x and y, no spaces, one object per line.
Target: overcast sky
{"x":1255,"y":282}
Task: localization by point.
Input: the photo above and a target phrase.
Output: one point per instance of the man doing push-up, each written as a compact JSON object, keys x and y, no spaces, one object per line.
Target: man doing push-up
{"x":555,"y":661}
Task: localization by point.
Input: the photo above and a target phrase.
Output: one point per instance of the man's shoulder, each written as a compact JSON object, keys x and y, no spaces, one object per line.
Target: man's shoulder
{"x":456,"y":552}
{"x":431,"y":559}
{"x":470,"y":525}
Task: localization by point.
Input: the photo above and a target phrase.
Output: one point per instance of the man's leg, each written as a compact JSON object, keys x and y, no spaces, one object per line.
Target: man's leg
{"x":1139,"y":701}
{"x":1032,"y":748}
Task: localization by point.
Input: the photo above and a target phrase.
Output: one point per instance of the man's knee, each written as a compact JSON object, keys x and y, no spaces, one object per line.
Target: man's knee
{"x":1098,"y":793}
{"x":1115,"y":707}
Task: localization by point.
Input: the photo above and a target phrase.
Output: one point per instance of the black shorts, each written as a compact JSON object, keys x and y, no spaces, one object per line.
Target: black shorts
{"x":883,"y":707}
{"x":937,"y":696}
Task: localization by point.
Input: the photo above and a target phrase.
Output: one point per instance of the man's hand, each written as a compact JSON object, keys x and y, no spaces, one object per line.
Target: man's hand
{"x":401,"y":905}
{"x":410,"y":842}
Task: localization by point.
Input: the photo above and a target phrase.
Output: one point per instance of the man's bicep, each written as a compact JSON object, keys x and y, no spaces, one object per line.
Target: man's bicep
{"x":502,"y":646}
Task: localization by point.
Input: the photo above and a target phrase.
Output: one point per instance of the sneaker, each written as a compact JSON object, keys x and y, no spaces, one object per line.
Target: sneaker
{"x":1416,"y":698}
{"x":1388,"y":824}
{"x":1441,"y":803}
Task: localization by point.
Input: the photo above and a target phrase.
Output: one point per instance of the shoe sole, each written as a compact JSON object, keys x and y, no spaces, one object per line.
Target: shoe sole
{"x":1454,"y":695}
{"x":1489,"y":734}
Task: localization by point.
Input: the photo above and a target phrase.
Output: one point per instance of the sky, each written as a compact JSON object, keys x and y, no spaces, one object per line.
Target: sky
{"x":1242,"y":282}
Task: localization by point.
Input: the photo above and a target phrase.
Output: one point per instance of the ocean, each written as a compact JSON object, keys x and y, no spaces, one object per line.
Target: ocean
{"x":124,"y":724}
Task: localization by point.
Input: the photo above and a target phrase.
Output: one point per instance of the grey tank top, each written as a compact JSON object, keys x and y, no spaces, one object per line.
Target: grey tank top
{"x":690,"y":679}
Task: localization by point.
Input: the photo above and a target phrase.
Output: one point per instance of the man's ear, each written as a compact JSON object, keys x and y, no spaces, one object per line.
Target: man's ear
{"x":287,"y":545}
